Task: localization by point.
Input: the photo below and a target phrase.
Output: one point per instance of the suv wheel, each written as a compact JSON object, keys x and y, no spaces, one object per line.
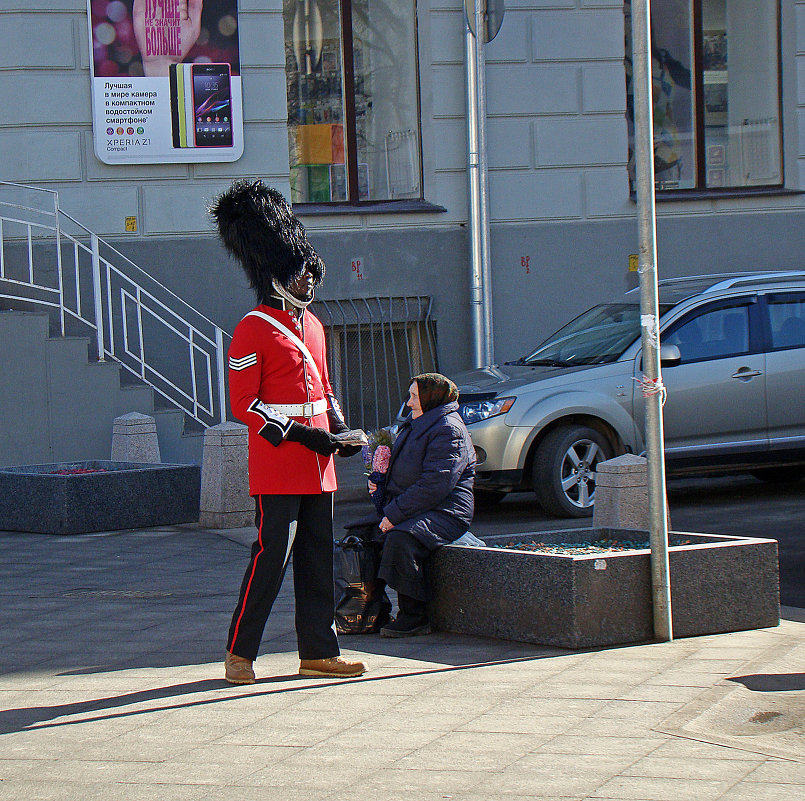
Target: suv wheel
{"x":564,"y":470}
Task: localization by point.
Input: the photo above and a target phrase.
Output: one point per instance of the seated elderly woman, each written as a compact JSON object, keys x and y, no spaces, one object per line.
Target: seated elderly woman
{"x":427,"y":497}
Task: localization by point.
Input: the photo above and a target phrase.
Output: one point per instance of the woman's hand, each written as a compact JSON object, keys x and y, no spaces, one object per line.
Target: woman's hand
{"x":385,"y":525}
{"x":372,"y":487}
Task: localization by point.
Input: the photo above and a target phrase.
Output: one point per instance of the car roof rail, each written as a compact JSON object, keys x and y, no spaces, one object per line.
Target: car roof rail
{"x":691,"y":279}
{"x":680,"y":279}
{"x":746,"y":279}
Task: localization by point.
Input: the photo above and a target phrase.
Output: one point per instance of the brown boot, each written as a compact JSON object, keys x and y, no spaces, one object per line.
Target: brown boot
{"x":238,"y":669}
{"x":335,"y":667}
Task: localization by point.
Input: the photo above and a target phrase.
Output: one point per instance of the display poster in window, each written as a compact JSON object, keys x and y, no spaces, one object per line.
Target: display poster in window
{"x":166,"y":85}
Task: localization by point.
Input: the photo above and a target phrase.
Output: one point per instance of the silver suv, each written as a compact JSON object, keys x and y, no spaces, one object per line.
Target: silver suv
{"x":733,"y":357}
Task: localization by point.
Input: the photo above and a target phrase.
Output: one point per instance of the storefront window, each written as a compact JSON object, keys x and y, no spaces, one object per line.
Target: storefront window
{"x":353,"y":110}
{"x":715,"y":83}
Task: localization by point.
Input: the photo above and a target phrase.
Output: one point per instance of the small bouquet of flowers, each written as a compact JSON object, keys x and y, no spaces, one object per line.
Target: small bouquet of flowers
{"x":376,"y":455}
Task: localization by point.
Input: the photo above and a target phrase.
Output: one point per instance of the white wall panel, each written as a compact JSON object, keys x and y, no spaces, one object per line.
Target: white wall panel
{"x":448,"y":91}
{"x":534,"y":195}
{"x":49,"y":98}
{"x":43,"y":5}
{"x":260,"y":5}
{"x":447,"y":39}
{"x":449,"y":189}
{"x":178,"y":209}
{"x":508,"y":143}
{"x":799,"y":12}
{"x":801,"y":80}
{"x":531,"y":89}
{"x":104,"y":209}
{"x":577,"y":35}
{"x":606,"y":193}
{"x":603,"y":87}
{"x":536,"y":4}
{"x":36,"y":40}
{"x":262,"y":40}
{"x":801,"y":130}
{"x":511,"y":42}
{"x":579,"y":141}
{"x":450,"y":144}
{"x":265,"y":95}
{"x":40,"y":156}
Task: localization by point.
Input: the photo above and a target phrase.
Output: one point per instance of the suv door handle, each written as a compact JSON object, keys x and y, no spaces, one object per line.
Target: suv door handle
{"x":746,"y":373}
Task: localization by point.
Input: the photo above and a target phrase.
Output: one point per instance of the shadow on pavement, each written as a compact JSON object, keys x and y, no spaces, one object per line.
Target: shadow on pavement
{"x":45,"y":717}
{"x":772,"y":682}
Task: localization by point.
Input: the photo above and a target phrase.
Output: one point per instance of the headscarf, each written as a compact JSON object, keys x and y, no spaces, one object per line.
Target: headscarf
{"x":434,"y":390}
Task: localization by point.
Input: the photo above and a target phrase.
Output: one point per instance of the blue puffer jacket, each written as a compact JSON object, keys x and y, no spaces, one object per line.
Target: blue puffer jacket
{"x":430,"y":477}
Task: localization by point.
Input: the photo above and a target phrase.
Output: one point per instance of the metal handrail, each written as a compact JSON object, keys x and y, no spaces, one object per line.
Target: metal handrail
{"x":137,"y":321}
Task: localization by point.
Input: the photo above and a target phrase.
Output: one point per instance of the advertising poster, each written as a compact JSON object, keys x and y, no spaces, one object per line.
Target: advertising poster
{"x":166,"y":84}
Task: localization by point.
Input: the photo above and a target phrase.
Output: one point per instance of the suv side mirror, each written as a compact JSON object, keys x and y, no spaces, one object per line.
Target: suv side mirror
{"x":670,"y":355}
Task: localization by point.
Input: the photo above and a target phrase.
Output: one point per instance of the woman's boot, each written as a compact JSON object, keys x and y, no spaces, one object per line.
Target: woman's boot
{"x":411,"y":621}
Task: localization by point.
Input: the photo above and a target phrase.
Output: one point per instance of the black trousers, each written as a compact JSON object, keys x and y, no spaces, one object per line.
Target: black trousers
{"x":302,"y":526}
{"x":403,"y":564}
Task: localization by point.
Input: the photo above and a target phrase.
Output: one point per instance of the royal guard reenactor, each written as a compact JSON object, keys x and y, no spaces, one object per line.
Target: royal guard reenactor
{"x":278,"y":386}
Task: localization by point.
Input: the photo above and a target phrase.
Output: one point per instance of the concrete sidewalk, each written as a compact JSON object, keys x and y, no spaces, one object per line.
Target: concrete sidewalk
{"x":111,"y":688}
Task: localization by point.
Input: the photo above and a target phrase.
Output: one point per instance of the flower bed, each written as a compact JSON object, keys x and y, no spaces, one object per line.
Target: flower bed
{"x":594,"y":598}
{"x":77,"y":498}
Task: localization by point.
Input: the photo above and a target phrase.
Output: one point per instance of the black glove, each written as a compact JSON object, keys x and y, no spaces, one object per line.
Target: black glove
{"x":318,"y":440}
{"x":349,"y":450}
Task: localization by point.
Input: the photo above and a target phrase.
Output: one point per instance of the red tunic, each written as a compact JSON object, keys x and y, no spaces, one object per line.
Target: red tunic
{"x":264,"y":365}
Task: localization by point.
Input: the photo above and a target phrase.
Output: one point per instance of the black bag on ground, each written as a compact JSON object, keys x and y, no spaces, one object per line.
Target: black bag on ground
{"x":361,"y":603}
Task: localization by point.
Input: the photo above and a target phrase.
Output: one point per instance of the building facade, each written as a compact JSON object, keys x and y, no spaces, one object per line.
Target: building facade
{"x":357,"y":112}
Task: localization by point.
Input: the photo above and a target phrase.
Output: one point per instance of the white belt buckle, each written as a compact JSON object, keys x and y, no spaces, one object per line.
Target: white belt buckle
{"x":307,"y":409}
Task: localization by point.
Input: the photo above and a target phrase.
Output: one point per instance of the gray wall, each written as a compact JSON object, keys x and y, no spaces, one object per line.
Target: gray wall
{"x":557,"y":155}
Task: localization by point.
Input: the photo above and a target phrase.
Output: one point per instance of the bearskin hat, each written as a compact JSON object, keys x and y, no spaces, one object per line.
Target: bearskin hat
{"x":258,"y":227}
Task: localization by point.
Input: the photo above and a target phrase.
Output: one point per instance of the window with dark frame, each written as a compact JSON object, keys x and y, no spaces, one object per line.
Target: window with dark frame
{"x":353,"y":100}
{"x":716,"y":90}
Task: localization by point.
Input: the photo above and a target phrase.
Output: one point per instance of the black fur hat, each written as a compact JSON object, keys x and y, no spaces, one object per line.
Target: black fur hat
{"x":258,"y":227}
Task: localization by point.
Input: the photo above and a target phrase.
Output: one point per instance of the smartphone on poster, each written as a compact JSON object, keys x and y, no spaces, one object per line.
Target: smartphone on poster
{"x":178,"y":105}
{"x":212,"y":105}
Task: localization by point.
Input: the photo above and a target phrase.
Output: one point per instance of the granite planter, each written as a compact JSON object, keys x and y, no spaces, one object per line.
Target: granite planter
{"x":718,"y":584}
{"x":60,"y":499}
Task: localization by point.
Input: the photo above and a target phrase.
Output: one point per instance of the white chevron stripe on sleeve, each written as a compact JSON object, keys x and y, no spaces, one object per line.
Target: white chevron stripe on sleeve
{"x":243,"y":362}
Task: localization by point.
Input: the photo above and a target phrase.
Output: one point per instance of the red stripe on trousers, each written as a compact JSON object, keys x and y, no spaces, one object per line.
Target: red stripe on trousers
{"x":254,"y":568}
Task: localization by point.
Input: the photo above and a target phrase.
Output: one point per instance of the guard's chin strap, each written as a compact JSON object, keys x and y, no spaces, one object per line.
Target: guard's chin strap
{"x":283,"y":294}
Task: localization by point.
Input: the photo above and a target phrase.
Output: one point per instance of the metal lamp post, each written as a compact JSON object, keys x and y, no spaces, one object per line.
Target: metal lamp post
{"x":653,"y":390}
{"x":483,"y":21}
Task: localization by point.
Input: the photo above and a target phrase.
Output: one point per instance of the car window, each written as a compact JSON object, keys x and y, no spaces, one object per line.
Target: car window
{"x":787,"y":323}
{"x":598,"y":336}
{"x":711,"y":334}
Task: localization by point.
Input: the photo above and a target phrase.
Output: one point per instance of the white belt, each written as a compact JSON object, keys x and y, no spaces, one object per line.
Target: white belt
{"x":310,"y":409}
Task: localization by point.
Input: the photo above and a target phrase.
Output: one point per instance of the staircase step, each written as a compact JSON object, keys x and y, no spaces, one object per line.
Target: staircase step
{"x":176,"y":444}
{"x":63,"y":403}
{"x":136,"y":398}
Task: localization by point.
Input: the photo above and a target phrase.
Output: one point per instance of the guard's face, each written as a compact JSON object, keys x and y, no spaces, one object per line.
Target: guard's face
{"x":302,"y":287}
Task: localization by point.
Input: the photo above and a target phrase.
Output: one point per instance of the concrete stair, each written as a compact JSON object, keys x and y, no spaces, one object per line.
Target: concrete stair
{"x":57,"y":405}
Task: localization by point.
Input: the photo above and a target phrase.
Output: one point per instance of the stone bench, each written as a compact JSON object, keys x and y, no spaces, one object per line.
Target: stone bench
{"x":718,"y":584}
